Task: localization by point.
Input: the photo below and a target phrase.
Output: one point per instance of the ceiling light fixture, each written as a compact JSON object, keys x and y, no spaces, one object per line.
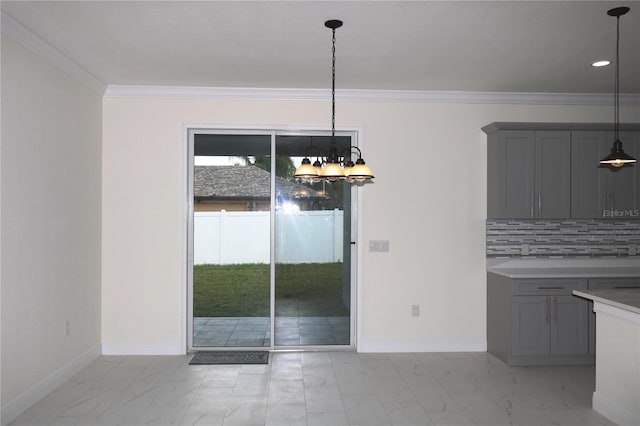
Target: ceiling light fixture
{"x":334,"y":166}
{"x":601,"y":63}
{"x":617,"y":157}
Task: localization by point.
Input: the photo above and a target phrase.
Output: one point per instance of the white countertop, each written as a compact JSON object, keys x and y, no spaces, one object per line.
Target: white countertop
{"x":627,"y":267}
{"x":627,"y":299}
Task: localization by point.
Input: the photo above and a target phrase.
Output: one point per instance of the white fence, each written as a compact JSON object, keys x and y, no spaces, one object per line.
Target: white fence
{"x":223,"y":237}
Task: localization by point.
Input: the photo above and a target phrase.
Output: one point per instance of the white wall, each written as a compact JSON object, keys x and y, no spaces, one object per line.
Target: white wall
{"x":50,"y":187}
{"x":437,"y":256}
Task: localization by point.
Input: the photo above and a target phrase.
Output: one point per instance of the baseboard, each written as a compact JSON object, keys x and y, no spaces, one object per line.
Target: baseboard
{"x":521,"y":360}
{"x":431,"y":345}
{"x":143,"y":349}
{"x":613,"y":411}
{"x":35,"y":393}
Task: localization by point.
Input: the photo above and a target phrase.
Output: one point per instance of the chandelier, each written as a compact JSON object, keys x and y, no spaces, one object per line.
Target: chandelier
{"x":617,"y":157}
{"x":333,"y":166}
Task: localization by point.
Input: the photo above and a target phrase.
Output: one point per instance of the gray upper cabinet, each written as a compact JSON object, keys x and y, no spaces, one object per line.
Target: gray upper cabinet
{"x":624,"y":182}
{"x":552,"y":170}
{"x":600,"y":191}
{"x":552,"y":175}
{"x":588,"y":183}
{"x":527,"y":174}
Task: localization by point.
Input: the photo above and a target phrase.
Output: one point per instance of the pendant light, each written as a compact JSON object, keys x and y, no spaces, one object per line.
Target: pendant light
{"x":334,"y":166}
{"x":617,"y":157}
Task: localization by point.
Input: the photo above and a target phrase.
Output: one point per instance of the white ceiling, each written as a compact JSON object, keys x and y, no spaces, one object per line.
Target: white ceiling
{"x":499,"y":46}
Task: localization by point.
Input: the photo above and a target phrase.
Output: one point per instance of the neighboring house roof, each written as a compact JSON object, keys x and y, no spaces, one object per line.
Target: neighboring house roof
{"x":244,"y":182}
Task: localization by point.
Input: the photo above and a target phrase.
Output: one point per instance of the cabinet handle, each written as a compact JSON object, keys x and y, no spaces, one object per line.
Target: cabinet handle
{"x":613,"y":201}
{"x":546,"y":310}
{"x":532,"y":212}
{"x":550,"y":288}
{"x":539,"y":205}
{"x":555,"y":310}
{"x":618,"y":287}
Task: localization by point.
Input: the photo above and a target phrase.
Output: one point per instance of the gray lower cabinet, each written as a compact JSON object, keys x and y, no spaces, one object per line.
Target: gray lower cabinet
{"x":530,"y":328}
{"x":602,"y":284}
{"x":537,"y":321}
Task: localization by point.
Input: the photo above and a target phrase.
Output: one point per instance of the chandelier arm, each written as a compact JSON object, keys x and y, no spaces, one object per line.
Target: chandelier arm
{"x":350,"y":150}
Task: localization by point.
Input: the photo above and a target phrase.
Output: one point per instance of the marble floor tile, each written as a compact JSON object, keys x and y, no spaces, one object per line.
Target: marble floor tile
{"x":286,"y":391}
{"x":208,"y":418}
{"x":406,"y":414}
{"x":328,"y":419}
{"x":365,"y":410}
{"x":286,"y":414}
{"x":74,"y":421}
{"x":320,"y":389}
{"x":246,"y":411}
{"x":323,"y":399}
{"x":251,"y":385}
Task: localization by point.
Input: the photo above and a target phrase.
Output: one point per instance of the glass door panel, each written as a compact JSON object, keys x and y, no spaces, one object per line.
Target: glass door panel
{"x":231,"y":241}
{"x":312,"y":252}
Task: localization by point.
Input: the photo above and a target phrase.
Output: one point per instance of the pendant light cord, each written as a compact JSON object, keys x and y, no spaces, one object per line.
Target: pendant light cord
{"x":333,"y":87}
{"x":616,"y":113}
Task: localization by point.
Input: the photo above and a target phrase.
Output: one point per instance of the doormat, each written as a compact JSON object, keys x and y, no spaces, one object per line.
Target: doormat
{"x":230,"y":357}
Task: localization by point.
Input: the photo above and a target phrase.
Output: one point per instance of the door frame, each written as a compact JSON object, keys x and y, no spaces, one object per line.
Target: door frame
{"x":189,"y":130}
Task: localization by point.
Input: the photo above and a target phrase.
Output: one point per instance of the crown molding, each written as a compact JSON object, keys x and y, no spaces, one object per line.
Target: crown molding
{"x":360,"y":95}
{"x":31,"y":41}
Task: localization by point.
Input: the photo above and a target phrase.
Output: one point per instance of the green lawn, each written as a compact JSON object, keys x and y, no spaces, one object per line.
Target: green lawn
{"x":308,"y":289}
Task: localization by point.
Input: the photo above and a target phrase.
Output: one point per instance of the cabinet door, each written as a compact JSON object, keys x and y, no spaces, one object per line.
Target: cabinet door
{"x":515,"y":174}
{"x":623,"y":184}
{"x":530,"y":326}
{"x":552,"y":194}
{"x":588,"y":178}
{"x":569,"y":326}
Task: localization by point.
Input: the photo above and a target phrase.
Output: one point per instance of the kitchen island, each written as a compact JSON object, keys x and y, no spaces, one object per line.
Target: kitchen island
{"x":617,"y":393}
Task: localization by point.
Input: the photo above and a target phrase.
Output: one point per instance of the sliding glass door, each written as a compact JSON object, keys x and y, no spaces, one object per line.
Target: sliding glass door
{"x":231,"y":241}
{"x":312,"y":252}
{"x":270,"y":258}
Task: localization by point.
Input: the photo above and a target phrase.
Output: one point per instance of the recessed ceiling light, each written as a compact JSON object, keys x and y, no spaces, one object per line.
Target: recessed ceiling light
{"x":600,"y":63}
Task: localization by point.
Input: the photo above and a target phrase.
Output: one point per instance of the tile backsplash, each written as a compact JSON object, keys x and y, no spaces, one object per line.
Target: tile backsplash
{"x":562,"y":237}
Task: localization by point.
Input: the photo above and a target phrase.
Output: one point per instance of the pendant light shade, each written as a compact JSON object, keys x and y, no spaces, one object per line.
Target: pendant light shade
{"x":334,"y":166}
{"x":332,"y":172}
{"x":306,"y":170}
{"x":617,"y":157}
{"x":360,"y":172}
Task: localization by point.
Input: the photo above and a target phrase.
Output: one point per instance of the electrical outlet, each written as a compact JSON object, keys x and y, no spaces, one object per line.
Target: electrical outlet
{"x":67,"y":328}
{"x":415,"y":310}
{"x":525,"y":249}
{"x":633,"y":250}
